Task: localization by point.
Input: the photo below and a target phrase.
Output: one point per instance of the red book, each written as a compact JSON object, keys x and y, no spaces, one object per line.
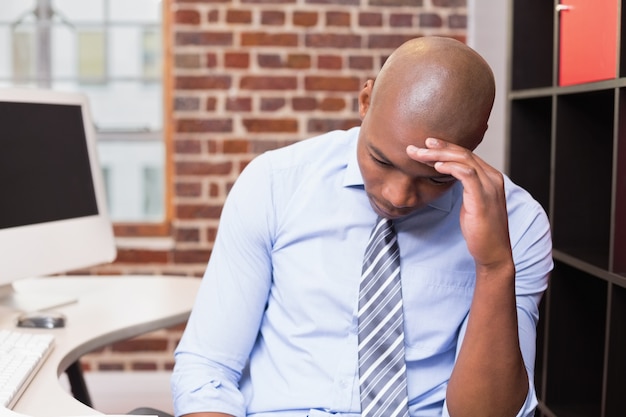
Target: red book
{"x":588,"y":40}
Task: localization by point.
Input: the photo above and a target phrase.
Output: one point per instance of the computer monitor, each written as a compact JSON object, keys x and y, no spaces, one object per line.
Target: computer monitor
{"x":53,"y":215}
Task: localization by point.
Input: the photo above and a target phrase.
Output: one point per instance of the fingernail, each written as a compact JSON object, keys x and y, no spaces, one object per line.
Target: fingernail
{"x":432,"y":142}
{"x":412,"y":149}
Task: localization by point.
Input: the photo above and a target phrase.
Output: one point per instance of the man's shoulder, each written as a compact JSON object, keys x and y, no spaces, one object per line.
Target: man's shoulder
{"x":520,"y":202}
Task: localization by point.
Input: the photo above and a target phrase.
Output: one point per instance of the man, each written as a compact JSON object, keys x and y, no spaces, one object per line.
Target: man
{"x":275,"y":329}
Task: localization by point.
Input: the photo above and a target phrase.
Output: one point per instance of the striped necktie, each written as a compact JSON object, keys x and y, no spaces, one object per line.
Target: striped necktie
{"x":382,"y":367}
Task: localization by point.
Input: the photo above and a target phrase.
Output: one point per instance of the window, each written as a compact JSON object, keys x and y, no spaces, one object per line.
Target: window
{"x":109,"y":50}
{"x":91,"y":56}
{"x":23,"y":56}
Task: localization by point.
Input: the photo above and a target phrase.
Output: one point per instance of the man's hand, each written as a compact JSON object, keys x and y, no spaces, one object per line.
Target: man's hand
{"x":489,"y":377}
{"x":484,"y":220}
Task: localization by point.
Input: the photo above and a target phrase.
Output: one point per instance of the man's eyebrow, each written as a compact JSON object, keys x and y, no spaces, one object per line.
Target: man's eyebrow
{"x":379,"y":154}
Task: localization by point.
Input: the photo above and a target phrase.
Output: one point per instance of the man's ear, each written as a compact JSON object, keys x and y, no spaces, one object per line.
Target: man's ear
{"x":364,"y":98}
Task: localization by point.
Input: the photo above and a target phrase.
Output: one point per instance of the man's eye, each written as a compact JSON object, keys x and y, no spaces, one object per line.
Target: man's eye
{"x":442,"y":180}
{"x":380,"y":162}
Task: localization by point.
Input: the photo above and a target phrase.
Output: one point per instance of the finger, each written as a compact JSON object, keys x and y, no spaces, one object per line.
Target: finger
{"x":439,"y":154}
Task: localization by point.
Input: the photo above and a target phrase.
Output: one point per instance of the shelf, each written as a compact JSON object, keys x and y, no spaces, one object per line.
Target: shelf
{"x":619,"y":227}
{"x":533,"y":28}
{"x":583,"y":175}
{"x":616,"y":383}
{"x":567,"y":147}
{"x":575,"y":346}
{"x":530,"y":146}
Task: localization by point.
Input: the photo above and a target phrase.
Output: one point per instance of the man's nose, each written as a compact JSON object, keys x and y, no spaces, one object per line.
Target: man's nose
{"x":401,"y":193}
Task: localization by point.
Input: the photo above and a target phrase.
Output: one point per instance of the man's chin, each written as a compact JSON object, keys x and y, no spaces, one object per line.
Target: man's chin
{"x":388,"y":214}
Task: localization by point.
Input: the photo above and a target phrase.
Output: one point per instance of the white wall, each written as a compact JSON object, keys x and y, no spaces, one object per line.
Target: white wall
{"x":488,"y":33}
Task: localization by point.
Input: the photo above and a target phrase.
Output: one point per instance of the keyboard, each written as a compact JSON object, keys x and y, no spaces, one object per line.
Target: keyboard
{"x":21,"y":356}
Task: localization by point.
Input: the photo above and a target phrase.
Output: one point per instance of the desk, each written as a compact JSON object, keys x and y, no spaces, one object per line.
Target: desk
{"x":109,"y":309}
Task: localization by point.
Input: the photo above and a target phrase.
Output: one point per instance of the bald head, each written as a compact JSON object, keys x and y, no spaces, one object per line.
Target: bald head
{"x":439,"y":83}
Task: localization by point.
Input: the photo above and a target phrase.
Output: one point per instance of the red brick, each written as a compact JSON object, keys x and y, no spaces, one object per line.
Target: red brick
{"x":270,"y":61}
{"x":236,"y":60}
{"x":306,"y":19}
{"x":140,"y":344}
{"x":239,"y":104}
{"x":408,"y":3}
{"x":272,"y":104}
{"x":187,"y":235}
{"x":204,"y":125}
{"x":141,"y":256}
{"x":332,"y":104}
{"x":238,"y":16}
{"x":211,"y":233}
{"x":388,"y":41}
{"x":214,"y":189}
{"x":204,"y":38}
{"x":198,"y":211}
{"x":211,"y":60}
{"x":236,"y":146}
{"x":186,"y":103}
{"x":457,"y":21}
{"x":317,"y":83}
{"x":361,"y":62}
{"x":188,"y":189}
{"x":268,"y":83}
{"x":450,"y":3}
{"x":370,"y":19}
{"x":333,"y":62}
{"x":211,"y":104}
{"x":326,"y":125}
{"x":430,"y":20}
{"x":339,"y":2}
{"x":187,"y":146}
{"x":332,"y":40}
{"x":213,"y":146}
{"x":397,"y":20}
{"x":272,"y":17}
{"x":303,"y":103}
{"x":213,"y":16}
{"x":271,"y":125}
{"x":198,"y":256}
{"x":187,"y":61}
{"x":269,"y":39}
{"x":203,"y":168}
{"x":269,"y":1}
{"x":299,"y":61}
{"x":206,"y":82}
{"x":337,"y":18}
{"x":110,"y":366}
{"x":260,"y":146}
{"x":187,"y":17}
{"x":143,"y":366}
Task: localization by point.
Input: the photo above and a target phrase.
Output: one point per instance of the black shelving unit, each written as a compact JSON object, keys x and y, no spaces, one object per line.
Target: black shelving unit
{"x":567,"y":147}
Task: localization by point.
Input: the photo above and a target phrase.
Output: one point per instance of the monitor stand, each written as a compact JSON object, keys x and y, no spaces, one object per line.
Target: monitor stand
{"x":27,"y":302}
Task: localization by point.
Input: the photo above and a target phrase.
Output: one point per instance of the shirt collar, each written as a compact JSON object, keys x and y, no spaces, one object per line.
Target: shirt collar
{"x":353,"y":177}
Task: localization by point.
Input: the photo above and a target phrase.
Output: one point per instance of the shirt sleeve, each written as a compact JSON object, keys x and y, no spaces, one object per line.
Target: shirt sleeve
{"x":226,"y":317}
{"x":532,"y":253}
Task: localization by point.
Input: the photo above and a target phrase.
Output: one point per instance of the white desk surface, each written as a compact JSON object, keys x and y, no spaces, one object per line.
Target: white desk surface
{"x":109,"y":309}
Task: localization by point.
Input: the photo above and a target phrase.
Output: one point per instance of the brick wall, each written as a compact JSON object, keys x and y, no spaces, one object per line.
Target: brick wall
{"x":245,"y":76}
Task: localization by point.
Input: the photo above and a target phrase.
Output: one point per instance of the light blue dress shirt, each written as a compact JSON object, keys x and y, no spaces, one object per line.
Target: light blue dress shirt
{"x":274,"y":328}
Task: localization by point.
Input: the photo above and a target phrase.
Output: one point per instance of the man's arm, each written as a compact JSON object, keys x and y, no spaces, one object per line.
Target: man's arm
{"x":489,"y":377}
{"x":225,"y":320}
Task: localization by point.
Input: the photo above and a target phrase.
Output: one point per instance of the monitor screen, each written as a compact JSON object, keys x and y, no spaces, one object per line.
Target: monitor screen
{"x":53,"y":216}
